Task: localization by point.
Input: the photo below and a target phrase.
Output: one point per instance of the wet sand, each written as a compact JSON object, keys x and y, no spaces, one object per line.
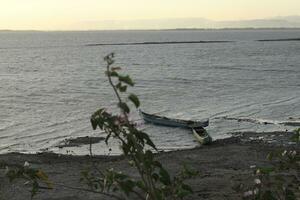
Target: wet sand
{"x":224,"y":166}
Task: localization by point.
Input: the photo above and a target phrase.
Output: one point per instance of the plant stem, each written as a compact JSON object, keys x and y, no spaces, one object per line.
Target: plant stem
{"x":116,"y":92}
{"x":144,"y":173}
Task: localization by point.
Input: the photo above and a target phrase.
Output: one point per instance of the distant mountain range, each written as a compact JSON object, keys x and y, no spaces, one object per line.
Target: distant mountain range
{"x":184,"y":23}
{"x":192,"y":23}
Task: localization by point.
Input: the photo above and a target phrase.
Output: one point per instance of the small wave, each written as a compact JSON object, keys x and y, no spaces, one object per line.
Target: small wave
{"x":280,"y":101}
{"x":278,"y":70}
{"x":7,"y":126}
{"x":253,"y":69}
{"x":54,"y":124}
{"x":251,"y":120}
{"x":261,"y":121}
{"x":44,"y":133}
{"x":280,"y":138}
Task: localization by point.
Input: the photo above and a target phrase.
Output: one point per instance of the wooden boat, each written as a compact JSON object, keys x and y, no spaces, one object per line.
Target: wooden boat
{"x":201,"y":135}
{"x":165,"y":121}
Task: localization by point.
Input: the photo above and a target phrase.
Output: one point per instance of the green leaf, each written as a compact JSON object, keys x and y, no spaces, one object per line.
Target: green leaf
{"x":134,"y":99}
{"x":266,"y":170}
{"x":120,"y":176}
{"x":123,"y":88}
{"x":148,"y":140}
{"x":126,"y":79}
{"x":112,"y":73}
{"x":164,"y":176}
{"x":94,"y":123}
{"x":98,"y":112}
{"x":141,"y":185}
{"x":109,"y":59}
{"x":35,"y":189}
{"x":182,"y":193}
{"x":115,"y":68}
{"x":125,"y":149}
{"x":296,"y":136}
{"x":124,"y":107}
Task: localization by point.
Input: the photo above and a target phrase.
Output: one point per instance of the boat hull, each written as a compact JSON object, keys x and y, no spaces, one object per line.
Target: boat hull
{"x":206,"y":139}
{"x":164,"y":121}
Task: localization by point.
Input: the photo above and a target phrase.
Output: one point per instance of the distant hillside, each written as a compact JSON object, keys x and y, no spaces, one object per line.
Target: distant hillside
{"x":276,"y":22}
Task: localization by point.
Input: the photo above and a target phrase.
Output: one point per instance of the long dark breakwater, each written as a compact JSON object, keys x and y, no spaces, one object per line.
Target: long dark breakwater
{"x":149,"y":43}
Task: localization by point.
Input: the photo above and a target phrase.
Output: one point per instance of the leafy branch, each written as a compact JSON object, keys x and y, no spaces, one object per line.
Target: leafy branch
{"x":155,"y":182}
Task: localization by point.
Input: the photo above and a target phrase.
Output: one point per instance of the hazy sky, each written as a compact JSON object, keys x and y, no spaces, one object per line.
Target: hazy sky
{"x":71,"y":14}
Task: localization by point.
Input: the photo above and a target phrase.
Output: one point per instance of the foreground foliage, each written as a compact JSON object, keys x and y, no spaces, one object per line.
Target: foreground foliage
{"x":155,"y":182}
{"x":35,"y":178}
{"x":281,"y":181}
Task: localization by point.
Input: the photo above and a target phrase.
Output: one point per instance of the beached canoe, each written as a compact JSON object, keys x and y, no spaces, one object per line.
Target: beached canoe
{"x":201,"y":135}
{"x":165,"y":121}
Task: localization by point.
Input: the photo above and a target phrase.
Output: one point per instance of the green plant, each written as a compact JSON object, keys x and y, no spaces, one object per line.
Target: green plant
{"x":155,"y":182}
{"x":296,"y":136}
{"x":34,"y":177}
{"x":272,"y":183}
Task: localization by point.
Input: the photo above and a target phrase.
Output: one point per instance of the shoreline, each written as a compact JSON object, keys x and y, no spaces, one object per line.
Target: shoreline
{"x":223,"y":165}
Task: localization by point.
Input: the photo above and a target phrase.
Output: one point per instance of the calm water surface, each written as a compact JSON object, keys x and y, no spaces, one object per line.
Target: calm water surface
{"x":51,"y":82}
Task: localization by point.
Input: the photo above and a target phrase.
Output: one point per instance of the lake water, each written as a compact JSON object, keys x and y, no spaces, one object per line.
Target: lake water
{"x":51,"y":82}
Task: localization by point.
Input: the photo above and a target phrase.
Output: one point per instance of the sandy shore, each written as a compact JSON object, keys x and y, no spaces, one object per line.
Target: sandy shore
{"x":223,"y":166}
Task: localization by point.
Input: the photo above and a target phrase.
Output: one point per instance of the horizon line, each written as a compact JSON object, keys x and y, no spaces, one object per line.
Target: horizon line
{"x":167,"y":29}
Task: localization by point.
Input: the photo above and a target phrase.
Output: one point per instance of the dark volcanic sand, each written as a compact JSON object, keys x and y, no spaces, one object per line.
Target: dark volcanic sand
{"x":223,"y":166}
